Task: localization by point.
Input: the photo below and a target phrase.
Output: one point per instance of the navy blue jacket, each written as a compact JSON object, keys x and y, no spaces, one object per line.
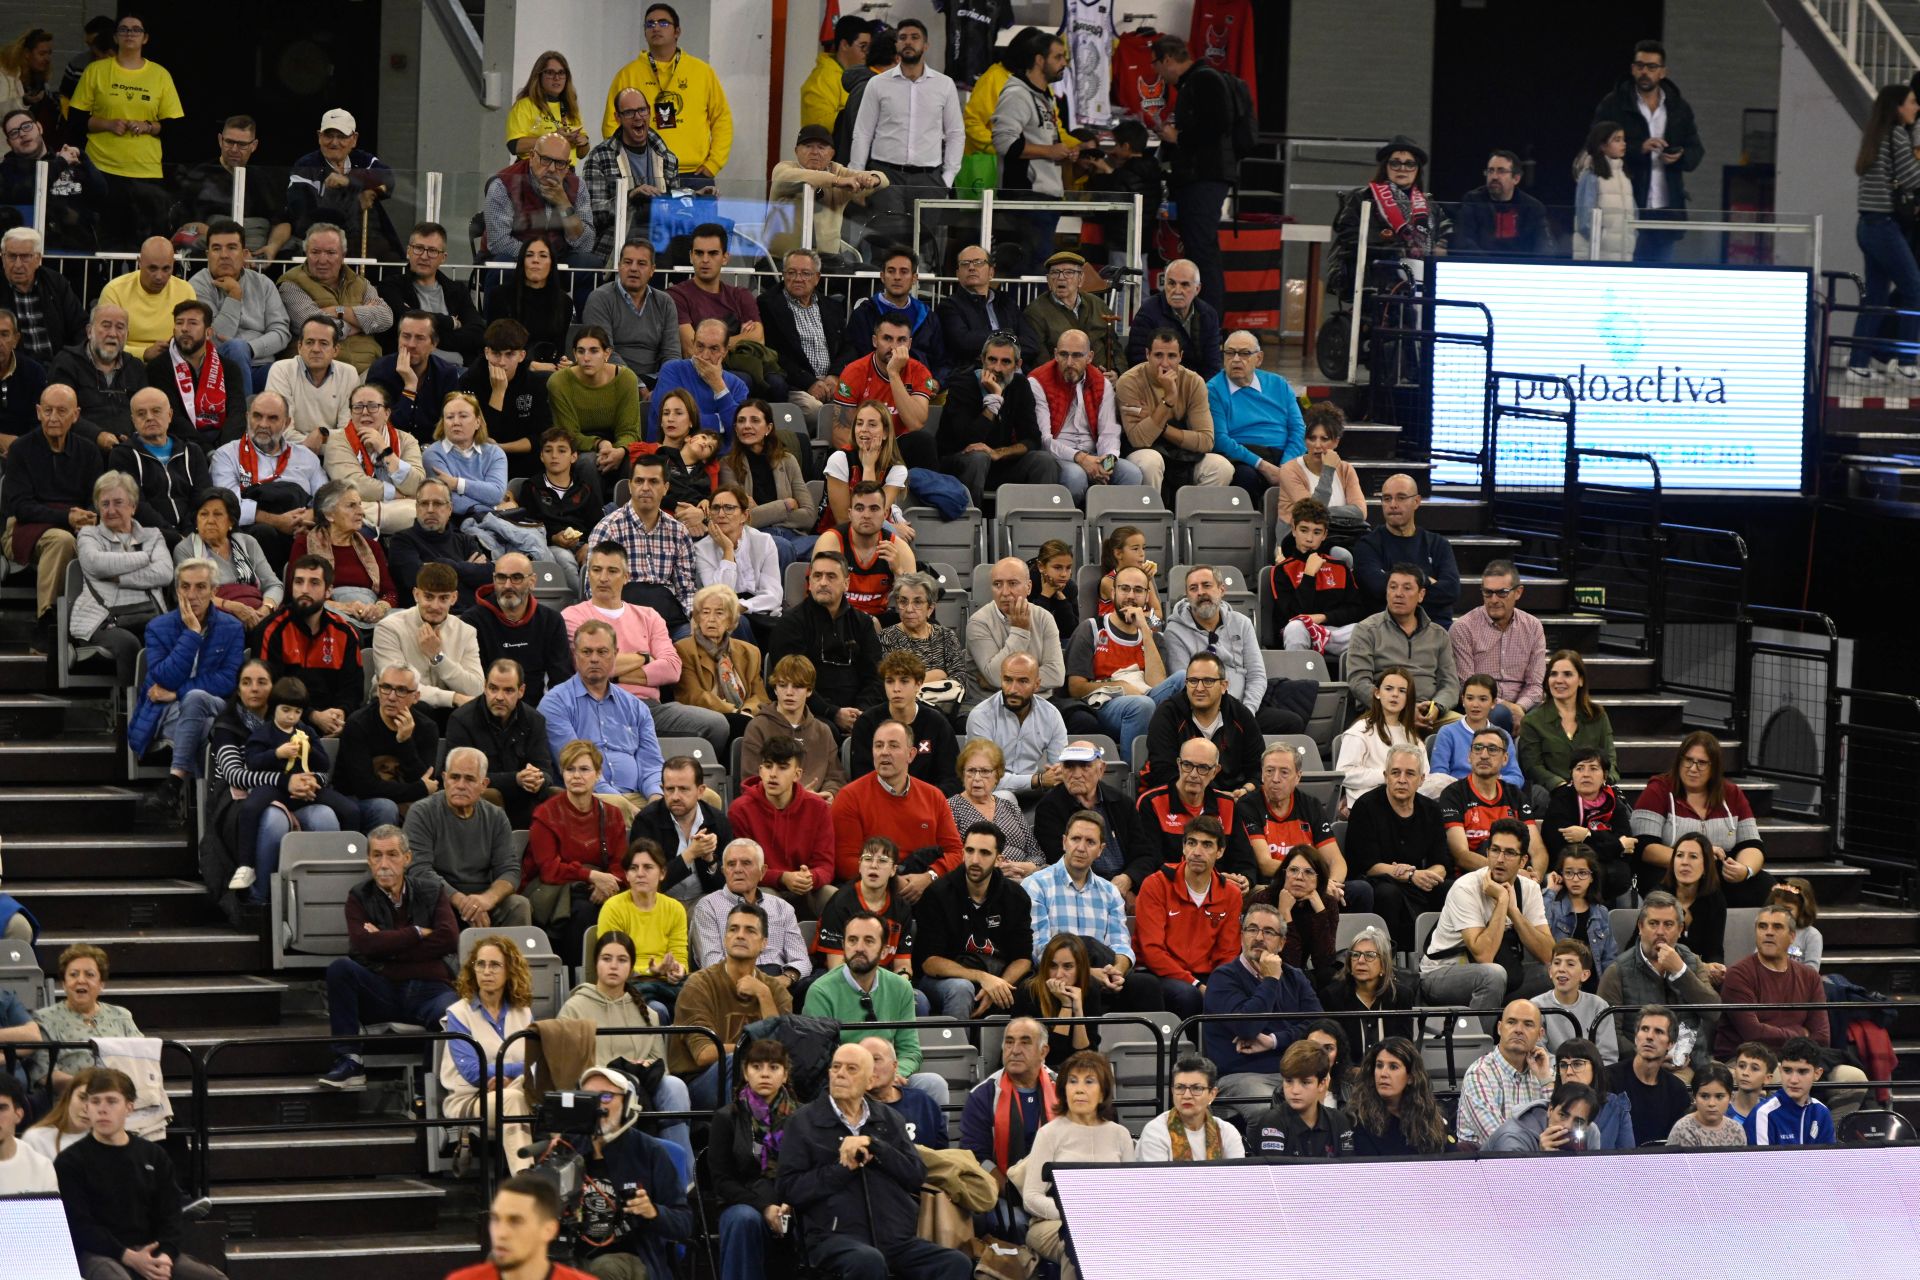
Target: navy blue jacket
{"x":1232,"y":989}
{"x":1200,"y":353}
{"x":1375,"y":555}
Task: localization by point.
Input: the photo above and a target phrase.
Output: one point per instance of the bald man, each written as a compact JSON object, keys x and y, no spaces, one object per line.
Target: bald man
{"x":149,"y":293}
{"x":47,"y":497}
{"x":1009,"y":624}
{"x":273,"y":477}
{"x":169,"y":468}
{"x":926,"y":1123}
{"x":540,"y":197}
{"x":1399,"y":540}
{"x":717,"y":392}
{"x":1179,"y":306}
{"x":1517,"y":1073}
{"x":1030,"y":732}
{"x":1074,"y":405}
{"x":1257,"y":424}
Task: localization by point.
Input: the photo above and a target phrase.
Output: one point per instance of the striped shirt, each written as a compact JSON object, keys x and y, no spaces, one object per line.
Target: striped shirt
{"x":1878,"y":182}
{"x":1094,"y":910}
{"x":662,"y":555}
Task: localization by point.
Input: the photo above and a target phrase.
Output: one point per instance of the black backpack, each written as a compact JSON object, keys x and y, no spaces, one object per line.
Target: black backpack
{"x":1242,"y":134}
{"x":810,"y":1046}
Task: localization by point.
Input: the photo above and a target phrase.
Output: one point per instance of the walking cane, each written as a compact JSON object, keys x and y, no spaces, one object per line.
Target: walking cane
{"x":366,"y":211}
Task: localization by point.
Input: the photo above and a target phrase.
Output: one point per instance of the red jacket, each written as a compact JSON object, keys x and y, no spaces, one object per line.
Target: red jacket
{"x":487,"y":1271}
{"x":800,"y":835}
{"x":918,"y":822}
{"x":1177,"y":939}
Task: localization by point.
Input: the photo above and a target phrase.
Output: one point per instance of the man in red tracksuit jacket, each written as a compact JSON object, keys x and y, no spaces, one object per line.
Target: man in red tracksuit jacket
{"x":792,"y":826}
{"x":1187,"y":919}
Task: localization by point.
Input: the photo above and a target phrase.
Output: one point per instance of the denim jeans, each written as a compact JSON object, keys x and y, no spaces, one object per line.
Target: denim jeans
{"x":672,"y":1096}
{"x":1075,"y":479}
{"x":743,"y":1243}
{"x":949,"y":997}
{"x":1889,"y":265}
{"x":356,"y":996}
{"x":184,"y":722}
{"x":500,"y":535}
{"x":272,"y":830}
{"x":791,"y":544}
{"x":377,"y":811}
{"x":1125,"y":718}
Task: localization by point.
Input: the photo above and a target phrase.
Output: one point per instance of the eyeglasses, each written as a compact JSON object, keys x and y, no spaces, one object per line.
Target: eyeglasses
{"x":654,"y":24}
{"x":26,"y":130}
{"x":1196,"y":766}
{"x":236,"y":143}
{"x":513,"y":579}
{"x":1496,"y":593}
{"x":1204,"y":682}
{"x":1403,"y":164}
{"x":1576,"y":873}
{"x":1192,"y":1089}
{"x":974,"y":262}
{"x":1641,"y":65}
{"x":554,"y":71}
{"x":731,"y":508}
{"x":1502,"y":172}
{"x":129,"y":31}
{"x":426,"y":251}
{"x":1241,"y":353}
{"x":1485,"y":748}
{"x":1265,"y":931}
{"x":1694,"y":762}
{"x":370,"y":406}
{"x":395,"y":690}
{"x":489,"y":964}
{"x":1372,"y":956}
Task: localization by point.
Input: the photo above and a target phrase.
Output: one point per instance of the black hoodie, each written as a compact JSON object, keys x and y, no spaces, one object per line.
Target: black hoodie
{"x":416,"y":545}
{"x":538,"y":642}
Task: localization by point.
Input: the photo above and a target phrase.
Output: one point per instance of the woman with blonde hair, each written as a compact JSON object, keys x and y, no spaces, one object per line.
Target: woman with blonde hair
{"x":65,"y":1122}
{"x":474,"y":469}
{"x":873,"y":455}
{"x":547,"y":103}
{"x":494,"y":1001}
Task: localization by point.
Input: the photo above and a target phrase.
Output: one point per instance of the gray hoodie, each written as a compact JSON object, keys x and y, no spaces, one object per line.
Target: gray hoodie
{"x":588,"y":1003}
{"x":1236,"y":642}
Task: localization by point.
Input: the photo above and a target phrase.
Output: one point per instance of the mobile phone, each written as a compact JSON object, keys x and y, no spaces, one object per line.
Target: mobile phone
{"x":1106,"y":464}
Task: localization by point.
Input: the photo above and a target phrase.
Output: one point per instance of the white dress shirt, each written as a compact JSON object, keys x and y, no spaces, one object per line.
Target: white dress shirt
{"x":753,"y":573}
{"x":1076,"y":436}
{"x":915,"y":123}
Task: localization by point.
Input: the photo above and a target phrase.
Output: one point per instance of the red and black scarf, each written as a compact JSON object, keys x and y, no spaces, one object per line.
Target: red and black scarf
{"x":205,"y":398}
{"x":1408,"y":226}
{"x":250,"y":459}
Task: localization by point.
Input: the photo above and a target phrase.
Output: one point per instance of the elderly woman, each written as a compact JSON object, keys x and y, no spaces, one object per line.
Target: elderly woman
{"x":83,"y":1016}
{"x":941,"y":648}
{"x":493,"y":1001}
{"x":169,"y":470}
{"x":981,"y":767}
{"x":126,"y":570}
{"x":1367,"y":982}
{"x":245,"y":585}
{"x":718,"y":670}
{"x":363,"y":587}
{"x":575,"y":851}
{"x":382,"y":462}
{"x":1083,"y":1130}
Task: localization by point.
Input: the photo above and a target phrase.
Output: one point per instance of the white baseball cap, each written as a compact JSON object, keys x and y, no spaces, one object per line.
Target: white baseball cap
{"x":339,"y":120}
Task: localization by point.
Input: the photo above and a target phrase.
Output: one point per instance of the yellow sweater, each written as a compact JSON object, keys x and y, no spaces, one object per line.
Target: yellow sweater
{"x":690,"y":111}
{"x":659,"y":932}
{"x":823,"y":96}
{"x":149,"y":315}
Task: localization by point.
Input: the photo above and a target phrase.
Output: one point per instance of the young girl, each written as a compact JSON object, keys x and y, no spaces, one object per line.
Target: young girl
{"x":566,"y":507}
{"x":285,"y":746}
{"x":1126,"y":548}
{"x":1601,"y":183}
{"x":475,"y":469}
{"x":1361,"y":752}
{"x":875,"y":455}
{"x":1052,"y":573}
{"x":1795,"y":893}
{"x":1575,"y":909}
{"x":1708,"y":1124}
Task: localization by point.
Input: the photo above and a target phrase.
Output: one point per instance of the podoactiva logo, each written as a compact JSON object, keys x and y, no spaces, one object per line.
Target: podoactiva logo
{"x":1624,"y":380}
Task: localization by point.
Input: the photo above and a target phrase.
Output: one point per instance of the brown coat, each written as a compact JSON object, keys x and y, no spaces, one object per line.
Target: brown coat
{"x":700,"y":676}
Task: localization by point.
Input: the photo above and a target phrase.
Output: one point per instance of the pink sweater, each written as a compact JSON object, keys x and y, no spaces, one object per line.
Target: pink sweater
{"x":638,"y":629}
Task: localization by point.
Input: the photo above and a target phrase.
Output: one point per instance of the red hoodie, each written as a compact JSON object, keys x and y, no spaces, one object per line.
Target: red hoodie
{"x":1179,"y":940}
{"x":800,"y":835}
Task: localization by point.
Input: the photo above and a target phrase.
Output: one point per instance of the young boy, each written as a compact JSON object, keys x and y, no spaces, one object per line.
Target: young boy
{"x":1314,"y":598}
{"x":1568,"y":968}
{"x":562,"y":501}
{"x":791,"y":716}
{"x":1303,"y":1127}
{"x":1752,"y":1067}
{"x":23,"y":1171}
{"x":1793,"y":1116}
{"x":1447,"y":750}
{"x":122,"y":1200}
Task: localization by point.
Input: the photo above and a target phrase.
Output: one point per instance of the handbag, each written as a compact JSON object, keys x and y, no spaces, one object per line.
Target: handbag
{"x":995,"y":1259}
{"x":1906,"y":200}
{"x":128,"y":617}
{"x":246,"y":593}
{"x":942,"y":695}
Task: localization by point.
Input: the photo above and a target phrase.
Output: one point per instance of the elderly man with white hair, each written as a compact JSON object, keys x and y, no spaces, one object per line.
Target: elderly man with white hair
{"x":326,"y":285}
{"x":1257,"y":423}
{"x":1179,"y":306}
{"x":49,"y":312}
{"x":466,"y":844}
{"x":743,"y":863}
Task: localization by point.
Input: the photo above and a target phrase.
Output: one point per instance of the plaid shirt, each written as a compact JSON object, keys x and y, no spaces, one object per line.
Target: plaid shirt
{"x":663,"y":557}
{"x":30,"y":317}
{"x":1095,"y":911}
{"x":1489,"y":1095}
{"x":601,"y":172}
{"x":1516,"y":658}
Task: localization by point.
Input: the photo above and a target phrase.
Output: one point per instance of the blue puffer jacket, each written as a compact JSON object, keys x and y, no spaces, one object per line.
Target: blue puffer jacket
{"x":183,"y":660}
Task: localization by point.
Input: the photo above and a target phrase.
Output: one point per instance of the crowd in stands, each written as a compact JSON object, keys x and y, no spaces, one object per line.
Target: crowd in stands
{"x":507,"y":591}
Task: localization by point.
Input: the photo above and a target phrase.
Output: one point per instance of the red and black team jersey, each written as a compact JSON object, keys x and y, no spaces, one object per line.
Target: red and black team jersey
{"x":1462,"y":805}
{"x":1303,"y":823}
{"x":895,"y":910}
{"x":1222,"y":36}
{"x":869,"y":581}
{"x":1163,"y":812}
{"x":1138,"y":90}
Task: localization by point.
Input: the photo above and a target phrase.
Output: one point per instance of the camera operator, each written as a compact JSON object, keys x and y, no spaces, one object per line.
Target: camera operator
{"x":1559,"y":1124}
{"x":847,"y":1166}
{"x":633,"y":1201}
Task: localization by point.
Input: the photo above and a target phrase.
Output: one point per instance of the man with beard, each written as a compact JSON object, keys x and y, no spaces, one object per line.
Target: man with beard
{"x":274,"y":478}
{"x":512,"y":734}
{"x":522,"y":1224}
{"x":1499,"y":217}
{"x":208,"y":391}
{"x":1167,"y":419}
{"x":642,"y":320}
{"x":975,"y":932}
{"x":304,"y":638}
{"x":724,"y":998}
{"x":837,"y":639}
{"x":1073,"y":404}
{"x":1663,"y":143}
{"x":103,"y":378}
{"x":510,"y":623}
{"x":909,"y":128}
{"x":862,"y":991}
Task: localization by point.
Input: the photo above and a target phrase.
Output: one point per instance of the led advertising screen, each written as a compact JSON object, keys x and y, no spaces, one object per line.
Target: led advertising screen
{"x":1703,"y":368}
{"x":1706,"y":1214}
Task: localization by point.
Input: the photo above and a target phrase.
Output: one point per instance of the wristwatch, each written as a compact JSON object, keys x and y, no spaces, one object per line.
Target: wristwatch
{"x":437,"y":659}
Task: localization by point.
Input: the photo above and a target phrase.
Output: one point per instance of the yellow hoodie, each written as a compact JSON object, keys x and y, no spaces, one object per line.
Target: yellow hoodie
{"x":823,"y":96}
{"x":701,"y":130}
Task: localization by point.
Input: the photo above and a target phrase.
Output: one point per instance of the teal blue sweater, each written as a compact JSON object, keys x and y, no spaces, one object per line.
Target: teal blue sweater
{"x":1266,"y":414}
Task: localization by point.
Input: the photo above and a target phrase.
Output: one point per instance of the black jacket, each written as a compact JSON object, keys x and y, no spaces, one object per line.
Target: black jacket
{"x":104,"y":405}
{"x":1476,"y":226}
{"x":1364,"y":1033}
{"x":988,"y":935}
{"x":523,"y":414}
{"x":510,"y":747}
{"x":1057,"y":806}
{"x":166,"y":488}
{"x":63,"y":318}
{"x":737,"y":1176}
{"x":20,"y":396}
{"x":39,"y":484}
{"x":419,"y":415}
{"x":463,"y":343}
{"x":416,"y":545}
{"x":852,"y":678}
{"x":964,"y":421}
{"x":120,"y":1198}
{"x":1622,"y":106}
{"x":328,"y":662}
{"x":1199,"y":338}
{"x":239,"y":385}
{"x":878,"y":1203}
{"x":1203,"y":116}
{"x":1604,"y":827}
{"x":1279,"y":1131}
{"x":965,"y":325}
{"x":538,"y":642}
{"x":366,"y":737}
{"x":657,"y":825}
{"x":1239,"y":740}
{"x":783,"y":335}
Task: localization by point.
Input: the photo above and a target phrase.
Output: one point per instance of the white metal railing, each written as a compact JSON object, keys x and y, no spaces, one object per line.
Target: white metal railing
{"x":1870,"y":40}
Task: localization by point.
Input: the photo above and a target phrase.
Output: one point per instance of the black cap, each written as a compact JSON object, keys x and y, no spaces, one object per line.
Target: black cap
{"x":813,"y":133}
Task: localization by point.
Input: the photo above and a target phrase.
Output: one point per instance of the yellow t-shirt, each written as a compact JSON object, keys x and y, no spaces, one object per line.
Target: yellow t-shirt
{"x":530,"y":119}
{"x":823,"y":96}
{"x":149,"y":315}
{"x":109,"y":89}
{"x":659,"y":932}
{"x":690,"y":111}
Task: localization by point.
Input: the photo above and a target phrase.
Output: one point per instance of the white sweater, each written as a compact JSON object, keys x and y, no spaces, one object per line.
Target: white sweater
{"x":1362,"y":756}
{"x":397,"y":639}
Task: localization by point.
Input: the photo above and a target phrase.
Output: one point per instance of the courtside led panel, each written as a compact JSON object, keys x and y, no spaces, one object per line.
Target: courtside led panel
{"x":1704,"y":368}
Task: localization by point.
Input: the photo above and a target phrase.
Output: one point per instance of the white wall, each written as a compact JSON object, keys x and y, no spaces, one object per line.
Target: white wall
{"x":1815,"y":166}
{"x":1725,"y":56}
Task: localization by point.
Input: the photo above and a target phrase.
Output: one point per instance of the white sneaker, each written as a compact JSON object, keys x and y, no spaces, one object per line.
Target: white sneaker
{"x":1859,"y":377}
{"x":243,"y":878}
{"x":1903,"y":372}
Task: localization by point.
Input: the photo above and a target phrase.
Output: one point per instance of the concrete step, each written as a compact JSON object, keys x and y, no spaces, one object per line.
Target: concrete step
{"x":189,"y":949}
{"x":38,"y":714}
{"x":1645,"y":756}
{"x":22,"y":670}
{"x":1543,"y":595}
{"x":40,"y":808}
{"x":319,"y":1154}
{"x":1472,"y":551}
{"x":1577,"y":631}
{"x":259,"y":1049}
{"x":286,"y":1209}
{"x":364,"y":1257}
{"x":283,"y":1100}
{"x":1449,"y":515}
{"x":1618,"y":673}
{"x":67,"y":759}
{"x":1889,"y":970}
{"x":163,"y":1004}
{"x":1866,"y":925}
{"x":1834,"y":883}
{"x":1641,"y":713}
{"x":1373,"y":472}
{"x":1371,"y":441}
{"x":116,"y":904}
{"x":121,"y":856}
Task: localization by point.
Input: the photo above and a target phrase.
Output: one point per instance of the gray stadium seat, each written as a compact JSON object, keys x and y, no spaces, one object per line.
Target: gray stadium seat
{"x":21,"y":976}
{"x":1351,"y":923}
{"x":307,"y":897}
{"x":1215,"y":524}
{"x":962,"y":540}
{"x":946,"y":1052}
{"x":549,"y":587}
{"x":1329,"y":709}
{"x":1110,"y":506}
{"x":1115,"y":769}
{"x":137,"y":769}
{"x":1027,"y":515}
{"x":1622,"y":921}
{"x":795,"y":583}
{"x":1739,"y":933}
{"x":1422,"y":930}
{"x":549,"y":974}
{"x":712,"y":771}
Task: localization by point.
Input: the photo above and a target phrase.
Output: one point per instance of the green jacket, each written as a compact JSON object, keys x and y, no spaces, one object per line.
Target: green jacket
{"x":833,"y":995}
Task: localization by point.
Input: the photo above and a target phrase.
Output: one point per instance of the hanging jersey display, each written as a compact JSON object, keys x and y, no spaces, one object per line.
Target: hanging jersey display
{"x":1089,"y":31}
{"x":1222,"y":36}
{"x":1138,"y":91}
{"x":973,"y":27}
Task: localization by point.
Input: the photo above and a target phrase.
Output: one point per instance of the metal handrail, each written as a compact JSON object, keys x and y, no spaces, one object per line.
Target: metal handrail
{"x":1418,"y":1015}
{"x":197,"y":1170}
{"x":1627,"y":1010}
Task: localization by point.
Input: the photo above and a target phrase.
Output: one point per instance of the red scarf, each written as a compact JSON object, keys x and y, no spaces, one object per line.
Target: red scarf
{"x":360,"y":446}
{"x":206,"y":403}
{"x":1401,"y":226}
{"x":1004,"y":1118}
{"x":250,"y":459}
{"x":1059,"y":393}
